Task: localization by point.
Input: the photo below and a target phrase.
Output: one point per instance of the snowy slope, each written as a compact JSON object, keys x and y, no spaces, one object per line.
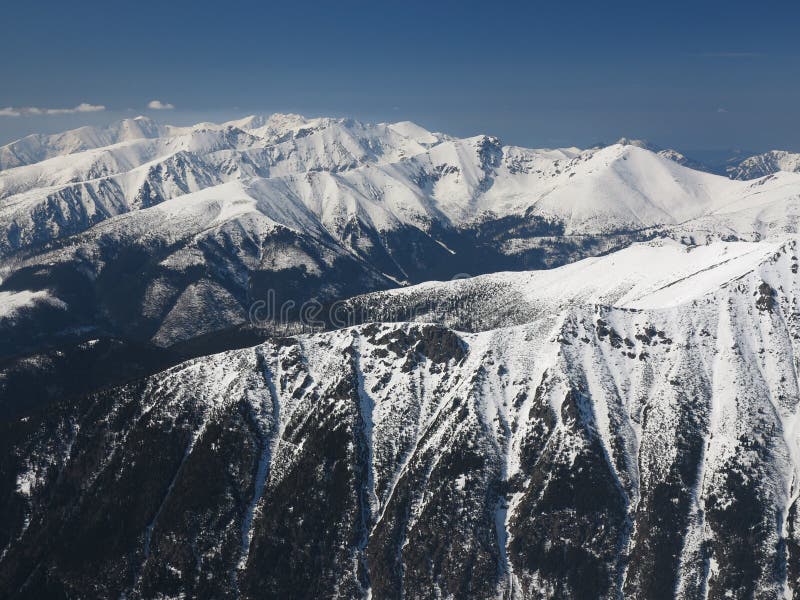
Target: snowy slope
{"x":624,"y":424}
{"x":765,"y":164}
{"x":764,"y":208}
{"x":638,"y":440}
{"x":38,"y":147}
{"x":217,"y":215}
{"x":668,"y":153}
{"x":392,"y":173}
{"x":68,"y":193}
{"x":654,"y":275}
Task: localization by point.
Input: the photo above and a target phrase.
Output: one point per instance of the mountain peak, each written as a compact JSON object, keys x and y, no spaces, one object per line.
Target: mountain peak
{"x":625,"y":141}
{"x":767,"y":163}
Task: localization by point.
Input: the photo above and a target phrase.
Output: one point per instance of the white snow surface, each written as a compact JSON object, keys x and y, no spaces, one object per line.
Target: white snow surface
{"x":715,"y":345}
{"x":659,"y":274}
{"x":324,"y":172}
{"x":13,"y":302}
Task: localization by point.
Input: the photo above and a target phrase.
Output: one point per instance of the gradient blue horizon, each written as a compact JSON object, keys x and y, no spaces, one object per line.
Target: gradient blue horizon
{"x":692,"y":76}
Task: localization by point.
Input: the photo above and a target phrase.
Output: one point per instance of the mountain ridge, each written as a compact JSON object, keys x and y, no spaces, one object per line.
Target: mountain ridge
{"x":519,"y":438}
{"x":217,"y":215}
{"x":619,"y":421}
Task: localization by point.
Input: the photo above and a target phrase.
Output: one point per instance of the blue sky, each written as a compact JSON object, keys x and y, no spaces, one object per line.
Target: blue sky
{"x":697,"y":75}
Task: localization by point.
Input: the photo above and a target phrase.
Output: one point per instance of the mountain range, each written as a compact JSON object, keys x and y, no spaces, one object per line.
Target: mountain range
{"x":322,"y":208}
{"x":560,"y":373}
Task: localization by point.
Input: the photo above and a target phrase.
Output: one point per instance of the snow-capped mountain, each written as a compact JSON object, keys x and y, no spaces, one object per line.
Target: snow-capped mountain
{"x":668,"y":153}
{"x":137,"y":231}
{"x":765,"y":164}
{"x":609,"y":411}
{"x":654,"y":275}
{"x":386,"y":175}
{"x":37,"y":147}
{"x":623,"y":426}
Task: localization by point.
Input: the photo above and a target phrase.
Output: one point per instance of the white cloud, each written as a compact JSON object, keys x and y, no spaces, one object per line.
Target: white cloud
{"x":83,"y":107}
{"x":159,"y":105}
{"x":722,"y":110}
{"x":25,"y":111}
